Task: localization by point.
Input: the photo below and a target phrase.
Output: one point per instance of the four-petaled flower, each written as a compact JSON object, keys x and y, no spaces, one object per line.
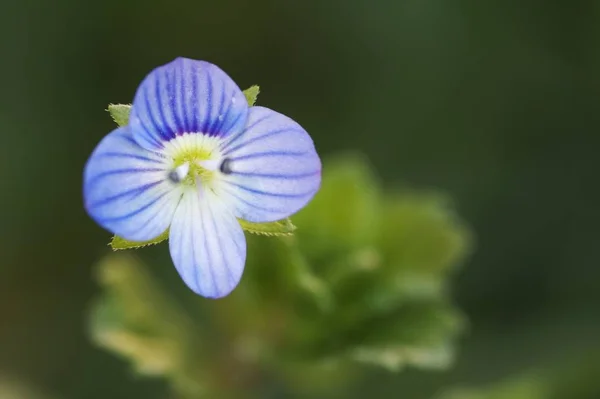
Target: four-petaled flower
{"x":193,"y":159}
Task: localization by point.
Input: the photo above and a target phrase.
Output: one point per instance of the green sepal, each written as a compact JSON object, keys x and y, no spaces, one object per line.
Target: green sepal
{"x":117,"y":243}
{"x":119,"y":113}
{"x":283,"y":227}
{"x":251,"y":94}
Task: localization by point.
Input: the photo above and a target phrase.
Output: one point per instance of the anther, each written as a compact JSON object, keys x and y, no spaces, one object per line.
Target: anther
{"x":226,"y":166}
{"x":179,"y":173}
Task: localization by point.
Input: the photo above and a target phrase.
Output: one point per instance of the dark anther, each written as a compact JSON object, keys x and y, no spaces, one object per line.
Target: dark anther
{"x":226,"y":166}
{"x":174,"y":177}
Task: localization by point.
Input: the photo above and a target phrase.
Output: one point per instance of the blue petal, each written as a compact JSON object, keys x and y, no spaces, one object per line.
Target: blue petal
{"x":186,"y":96}
{"x":207,"y":244}
{"x":126,"y":189}
{"x":275,"y":169}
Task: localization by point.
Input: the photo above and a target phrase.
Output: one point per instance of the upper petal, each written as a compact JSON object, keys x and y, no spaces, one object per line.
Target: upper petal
{"x":207,"y":244}
{"x":186,"y":96}
{"x":274,"y":168}
{"x":126,"y":189}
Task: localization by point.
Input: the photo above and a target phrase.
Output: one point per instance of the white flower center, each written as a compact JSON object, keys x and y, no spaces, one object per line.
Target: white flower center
{"x":193,"y":156}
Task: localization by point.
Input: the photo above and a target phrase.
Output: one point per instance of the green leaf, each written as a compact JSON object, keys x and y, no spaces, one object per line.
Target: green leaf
{"x":119,"y":113}
{"x":17,"y":388}
{"x":251,"y":94}
{"x":119,"y":243}
{"x":363,"y":281}
{"x":344,"y":214}
{"x":524,"y":387}
{"x":417,"y":334}
{"x":396,"y":356}
{"x":421,"y":232}
{"x":283,"y":227}
{"x":137,"y":319}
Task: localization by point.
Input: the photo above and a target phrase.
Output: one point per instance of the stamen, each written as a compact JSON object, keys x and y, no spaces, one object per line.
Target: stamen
{"x":179,"y":173}
{"x":226,"y":166}
{"x":209,"y":164}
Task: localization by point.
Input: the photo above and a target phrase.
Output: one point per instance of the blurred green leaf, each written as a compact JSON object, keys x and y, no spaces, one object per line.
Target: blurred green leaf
{"x":419,"y":334}
{"x":526,"y":387}
{"x":17,"y":388}
{"x":418,"y":241}
{"x":576,"y":376}
{"x":345,"y":212}
{"x":421,"y":232}
{"x":363,"y":281}
{"x":138,"y":320}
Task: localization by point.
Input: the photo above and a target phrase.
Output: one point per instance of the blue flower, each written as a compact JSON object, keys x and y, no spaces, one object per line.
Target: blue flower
{"x":193,"y":159}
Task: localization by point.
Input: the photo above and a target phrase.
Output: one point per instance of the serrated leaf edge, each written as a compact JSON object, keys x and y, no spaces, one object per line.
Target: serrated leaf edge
{"x":135,"y":245}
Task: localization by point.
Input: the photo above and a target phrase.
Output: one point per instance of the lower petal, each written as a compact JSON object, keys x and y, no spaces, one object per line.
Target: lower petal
{"x":207,"y":244}
{"x":126,"y":189}
{"x":273,"y":168}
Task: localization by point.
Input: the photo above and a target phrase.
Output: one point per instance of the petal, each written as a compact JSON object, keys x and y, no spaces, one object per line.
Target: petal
{"x":274,"y":168}
{"x":126,"y":189}
{"x":207,"y":244}
{"x":186,"y":96}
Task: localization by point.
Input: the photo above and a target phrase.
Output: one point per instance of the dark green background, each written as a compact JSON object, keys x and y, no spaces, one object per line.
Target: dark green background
{"x":495,"y":102}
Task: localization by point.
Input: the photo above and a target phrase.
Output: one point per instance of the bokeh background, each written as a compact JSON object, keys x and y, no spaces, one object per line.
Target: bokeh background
{"x":495,"y":103}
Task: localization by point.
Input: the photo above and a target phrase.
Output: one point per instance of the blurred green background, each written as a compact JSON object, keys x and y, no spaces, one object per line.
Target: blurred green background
{"x":496,"y":103}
